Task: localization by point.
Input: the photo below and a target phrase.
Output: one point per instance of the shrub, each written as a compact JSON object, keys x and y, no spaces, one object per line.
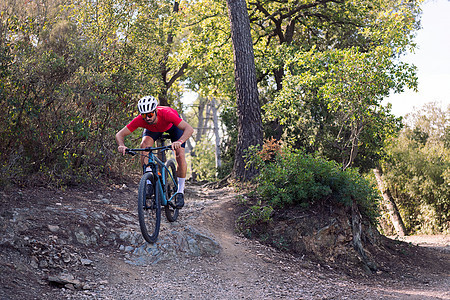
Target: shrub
{"x":418,"y":178}
{"x":291,"y":177}
{"x":416,"y":170}
{"x":255,"y":215}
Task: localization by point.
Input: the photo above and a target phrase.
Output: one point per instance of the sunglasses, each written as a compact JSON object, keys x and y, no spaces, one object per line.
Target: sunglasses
{"x":148,"y":115}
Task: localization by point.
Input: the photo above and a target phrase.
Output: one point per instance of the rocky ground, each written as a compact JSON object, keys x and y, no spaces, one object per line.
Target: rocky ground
{"x":86,"y":244}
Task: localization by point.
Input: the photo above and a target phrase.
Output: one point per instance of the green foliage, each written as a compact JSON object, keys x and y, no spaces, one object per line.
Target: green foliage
{"x":71,"y":71}
{"x":417,"y":170}
{"x":229,"y":119}
{"x":256,"y":215}
{"x":291,"y":177}
{"x":206,"y":43}
{"x":283,"y":28}
{"x":63,"y":98}
{"x":325,"y":67}
{"x":331,"y":104}
{"x":203,"y":163}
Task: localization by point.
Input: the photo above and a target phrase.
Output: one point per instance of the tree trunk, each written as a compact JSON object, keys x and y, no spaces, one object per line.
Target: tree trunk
{"x":357,"y":238}
{"x":250,"y":130}
{"x":216,"y":132}
{"x":389,"y":203}
{"x":202,"y":120}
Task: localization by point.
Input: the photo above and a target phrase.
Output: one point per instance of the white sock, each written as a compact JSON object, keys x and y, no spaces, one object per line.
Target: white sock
{"x":181,"y":185}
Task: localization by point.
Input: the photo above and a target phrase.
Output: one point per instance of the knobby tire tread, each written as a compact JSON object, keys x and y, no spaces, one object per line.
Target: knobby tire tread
{"x":149,"y":219}
{"x":171,"y":189}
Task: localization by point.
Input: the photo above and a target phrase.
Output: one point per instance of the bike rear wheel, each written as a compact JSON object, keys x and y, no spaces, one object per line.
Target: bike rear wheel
{"x":149,"y":208}
{"x":171,"y":189}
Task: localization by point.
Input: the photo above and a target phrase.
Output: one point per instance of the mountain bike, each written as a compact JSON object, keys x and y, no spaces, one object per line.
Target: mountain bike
{"x":157,"y":188}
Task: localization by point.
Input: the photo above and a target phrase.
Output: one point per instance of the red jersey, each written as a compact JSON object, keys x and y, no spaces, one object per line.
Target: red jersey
{"x":167,"y":117}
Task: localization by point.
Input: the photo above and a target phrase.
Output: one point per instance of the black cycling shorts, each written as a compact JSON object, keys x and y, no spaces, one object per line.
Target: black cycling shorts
{"x":174,"y":132}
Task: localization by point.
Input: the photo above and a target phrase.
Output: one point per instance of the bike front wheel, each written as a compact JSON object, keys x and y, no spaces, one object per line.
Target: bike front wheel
{"x":149,"y":208}
{"x":171,"y":189}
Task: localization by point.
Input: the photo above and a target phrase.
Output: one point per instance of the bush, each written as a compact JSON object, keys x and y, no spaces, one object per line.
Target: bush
{"x":60,"y":102}
{"x":416,"y":170}
{"x":255,"y":215}
{"x":290,"y":177}
{"x":418,"y":177}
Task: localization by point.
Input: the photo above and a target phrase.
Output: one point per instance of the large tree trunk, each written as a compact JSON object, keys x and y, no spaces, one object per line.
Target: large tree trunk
{"x":389,"y":203}
{"x":250,"y":130}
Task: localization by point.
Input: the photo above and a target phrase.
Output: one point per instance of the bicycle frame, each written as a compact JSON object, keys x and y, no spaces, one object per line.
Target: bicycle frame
{"x":158,"y":167}
{"x":149,"y":211}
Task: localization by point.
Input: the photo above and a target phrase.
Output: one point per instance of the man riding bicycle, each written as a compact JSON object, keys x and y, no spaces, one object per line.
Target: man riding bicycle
{"x":156,"y":120}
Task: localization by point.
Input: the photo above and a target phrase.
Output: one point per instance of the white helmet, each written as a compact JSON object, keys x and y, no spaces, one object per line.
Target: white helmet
{"x":147,"y":104}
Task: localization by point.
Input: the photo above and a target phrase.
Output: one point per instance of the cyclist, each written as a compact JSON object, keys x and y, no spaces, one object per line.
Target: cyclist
{"x":156,"y":120}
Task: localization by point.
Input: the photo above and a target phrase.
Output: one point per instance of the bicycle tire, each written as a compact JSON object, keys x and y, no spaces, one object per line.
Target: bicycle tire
{"x":149,"y":209}
{"x":171,"y":189}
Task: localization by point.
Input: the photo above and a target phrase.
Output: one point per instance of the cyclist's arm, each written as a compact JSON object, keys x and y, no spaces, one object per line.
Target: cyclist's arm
{"x":120,"y":139}
{"x":187,"y":132}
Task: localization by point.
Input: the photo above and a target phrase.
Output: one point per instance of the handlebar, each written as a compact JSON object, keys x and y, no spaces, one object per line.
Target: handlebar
{"x":148,"y":149}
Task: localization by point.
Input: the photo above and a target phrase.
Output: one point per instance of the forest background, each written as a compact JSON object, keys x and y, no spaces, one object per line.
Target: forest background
{"x":72,"y":71}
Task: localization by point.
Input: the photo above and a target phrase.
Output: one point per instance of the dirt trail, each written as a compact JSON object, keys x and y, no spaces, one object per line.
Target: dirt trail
{"x":244,"y":269}
{"x":438,"y":242}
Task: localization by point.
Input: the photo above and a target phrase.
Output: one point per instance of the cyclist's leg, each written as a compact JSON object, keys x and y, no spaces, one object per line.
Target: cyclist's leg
{"x":148,"y":140}
{"x":181,"y":168}
{"x":175,"y":135}
{"x":181,"y":174}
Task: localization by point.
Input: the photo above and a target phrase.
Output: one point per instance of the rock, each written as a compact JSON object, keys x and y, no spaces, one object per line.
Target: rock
{"x":127,"y":218}
{"x":105,"y":201}
{"x":34,"y":262}
{"x":124,"y":235}
{"x":206,"y":245}
{"x":43,"y":264}
{"x":66,"y":280}
{"x":86,"y":262}
{"x":84,"y":239}
{"x":66,"y":258}
{"x":187,"y":241}
{"x":53,"y":228}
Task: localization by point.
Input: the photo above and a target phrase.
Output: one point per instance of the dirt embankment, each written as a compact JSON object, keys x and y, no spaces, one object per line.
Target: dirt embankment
{"x":85,"y":244}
